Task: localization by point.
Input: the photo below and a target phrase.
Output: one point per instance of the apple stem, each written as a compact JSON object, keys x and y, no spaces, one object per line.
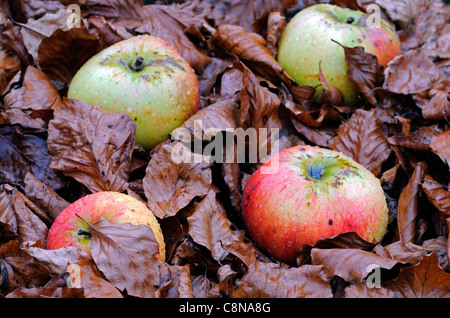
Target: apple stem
{"x":337,"y":43}
{"x":138,"y":64}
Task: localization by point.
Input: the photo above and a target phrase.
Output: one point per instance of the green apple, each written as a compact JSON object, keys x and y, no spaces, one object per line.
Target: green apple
{"x":307,"y":40}
{"x":144,"y":77}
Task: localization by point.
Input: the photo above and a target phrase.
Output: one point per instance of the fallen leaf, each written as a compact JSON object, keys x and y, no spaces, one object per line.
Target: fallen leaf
{"x":362,"y":138}
{"x":125,"y":254}
{"x":209,"y":227}
{"x":92,"y":145}
{"x":64,"y":52}
{"x":424,"y":280}
{"x":407,"y":206}
{"x":350,"y":264}
{"x":440,"y":144}
{"x":170,"y":184}
{"x":84,"y":275}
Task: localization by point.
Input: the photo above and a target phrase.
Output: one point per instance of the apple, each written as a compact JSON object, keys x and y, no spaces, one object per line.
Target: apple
{"x":71,"y":226}
{"x":307,"y":40}
{"x":144,"y":77}
{"x":314,"y":193}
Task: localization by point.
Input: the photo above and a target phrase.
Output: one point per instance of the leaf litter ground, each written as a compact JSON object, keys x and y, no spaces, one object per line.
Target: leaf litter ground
{"x":54,"y":150}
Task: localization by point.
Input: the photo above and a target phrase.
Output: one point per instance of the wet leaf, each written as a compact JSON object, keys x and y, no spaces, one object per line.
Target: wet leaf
{"x":92,"y":145}
{"x":407,"y":206}
{"x":362,"y":138}
{"x":171,"y":183}
{"x":424,"y":280}
{"x":125,"y":254}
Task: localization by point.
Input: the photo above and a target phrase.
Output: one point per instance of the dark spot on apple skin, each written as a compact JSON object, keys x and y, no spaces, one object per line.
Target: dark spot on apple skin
{"x":166,"y":63}
{"x":330,"y":222}
{"x":254,"y":187}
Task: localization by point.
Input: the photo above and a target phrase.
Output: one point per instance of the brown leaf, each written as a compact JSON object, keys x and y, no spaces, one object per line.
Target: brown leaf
{"x":44,"y":196}
{"x":440,"y":144}
{"x":349,"y":264}
{"x":259,"y":110}
{"x":9,"y":66}
{"x":251,"y":48}
{"x":23,"y":269}
{"x":47,"y":292}
{"x":64,"y":52}
{"x":125,"y":253}
{"x":170,"y":186}
{"x":435,"y":102}
{"x":84,"y":275}
{"x":363,"y":70}
{"x":349,"y":240}
{"x":269,"y":280}
{"x":410,"y":73}
{"x":92,"y":145}
{"x":424,"y":280}
{"x":209,"y":227}
{"x":407,"y":206}
{"x":55,"y":261}
{"x":419,"y":140}
{"x":20,"y":214}
{"x":330,"y":94}
{"x":162,"y":24}
{"x":362,"y":138}
{"x":438,"y":196}
{"x":25,"y":149}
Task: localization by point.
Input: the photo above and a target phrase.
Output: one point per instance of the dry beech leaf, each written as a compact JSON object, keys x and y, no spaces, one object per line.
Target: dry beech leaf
{"x":410,"y":73}
{"x":176,"y":282}
{"x":162,"y":24}
{"x":47,"y":292}
{"x":349,"y":240}
{"x":407,"y":206}
{"x":43,"y":196}
{"x":9,"y":66}
{"x":362,"y":138}
{"x":435,"y":102}
{"x":209,"y":227}
{"x":23,"y":269}
{"x":125,"y":253}
{"x":55,"y":261}
{"x":259,"y":110}
{"x":84,"y":274}
{"x":437,"y":195}
{"x":424,"y":280}
{"x":271,"y":280}
{"x":440,"y":144}
{"x":349,"y":264}
{"x":64,"y":52}
{"x":24,"y":149}
{"x":92,"y":145}
{"x":419,"y":140}
{"x":363,"y":70}
{"x":20,"y":214}
{"x":251,"y":48}
{"x":330,"y":94}
{"x":170,"y":186}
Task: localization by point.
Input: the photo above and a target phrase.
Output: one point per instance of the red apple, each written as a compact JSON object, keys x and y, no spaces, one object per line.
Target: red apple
{"x":307,"y":40}
{"x":314,"y":193}
{"x":145,"y":77}
{"x":71,"y":226}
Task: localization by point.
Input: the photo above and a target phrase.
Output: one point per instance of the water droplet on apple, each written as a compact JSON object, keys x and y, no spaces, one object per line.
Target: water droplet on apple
{"x":188,"y":92}
{"x":314,"y":43}
{"x":129,"y":109}
{"x":297,"y":38}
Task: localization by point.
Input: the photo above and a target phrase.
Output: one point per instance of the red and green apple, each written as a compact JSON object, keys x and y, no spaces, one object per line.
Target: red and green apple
{"x":71,"y":227}
{"x":145,"y":77}
{"x":314,"y":193}
{"x":309,"y":39}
